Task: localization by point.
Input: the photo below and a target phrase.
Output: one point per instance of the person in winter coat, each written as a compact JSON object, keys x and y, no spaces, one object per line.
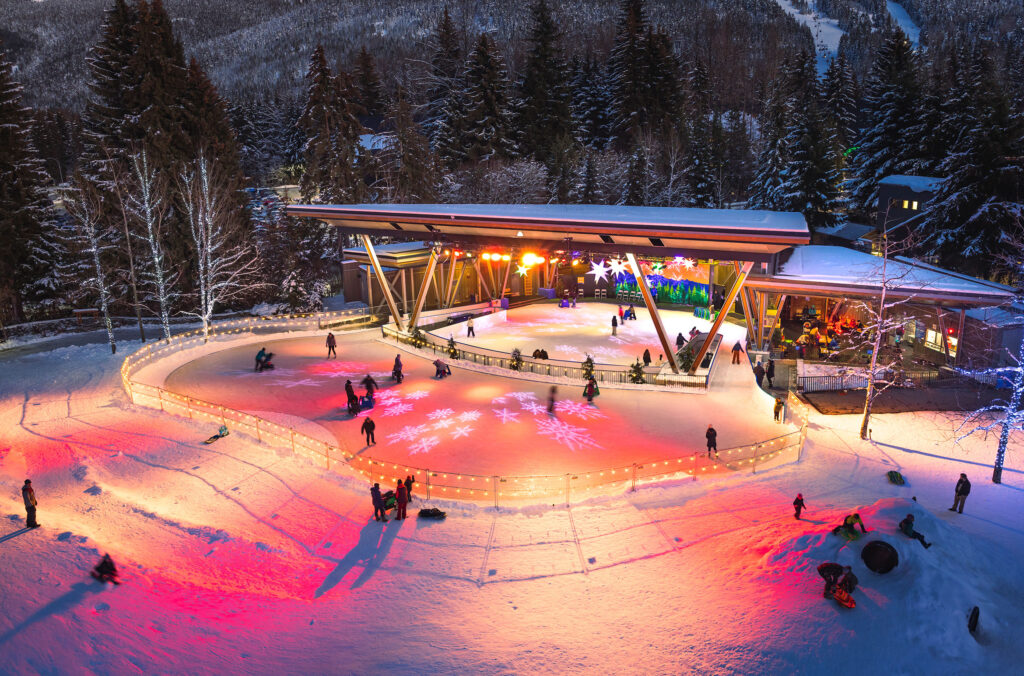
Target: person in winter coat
{"x":798,"y":505}
{"x":759,"y":373}
{"x":712,"y":436}
{"x":368,"y":427}
{"x":261,"y":358}
{"x":770,"y":373}
{"x":647,"y":358}
{"x":28,"y":494}
{"x":620,"y":312}
{"x":963,"y":489}
{"x":680,"y":341}
{"x":401,"y":498}
{"x":850,"y":523}
{"x":469,"y":328}
{"x":590,"y":390}
{"x":408,"y":487}
{"x":370,"y":384}
{"x":379,"y":512}
{"x":779,"y":405}
{"x":632,"y":311}
{"x":350,"y":395}
{"x":615,"y":325}
{"x":396,"y":370}
{"x":907,"y":528}
{"x":332,"y":343}
{"x":830,"y":572}
{"x":551,"y":399}
{"x":848,"y":582}
{"x":737,"y":349}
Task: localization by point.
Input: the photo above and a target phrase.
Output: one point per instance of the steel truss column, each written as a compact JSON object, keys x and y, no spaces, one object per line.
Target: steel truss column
{"x":730,"y":298}
{"x":666,"y":344}
{"x":451,"y":279}
{"x":385,"y":286}
{"x":421,"y":295}
{"x":748,"y":312}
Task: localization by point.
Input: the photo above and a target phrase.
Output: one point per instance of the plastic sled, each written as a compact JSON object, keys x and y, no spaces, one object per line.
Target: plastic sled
{"x":843,"y":598}
{"x":390,"y":500}
{"x":365,"y":403}
{"x":223,"y":432}
{"x":895,"y":477}
{"x":432,"y":513}
{"x":105,"y":578}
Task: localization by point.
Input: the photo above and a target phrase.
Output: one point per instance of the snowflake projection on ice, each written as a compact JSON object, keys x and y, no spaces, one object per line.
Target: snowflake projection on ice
{"x":618,"y":267}
{"x":602,"y":351}
{"x":443,"y":423}
{"x":278,"y":372}
{"x":506,"y":416}
{"x":566,"y":434}
{"x":462,"y":431}
{"x":617,"y":340}
{"x":418,"y":394}
{"x":387,"y":397}
{"x":499,"y":400}
{"x":408,"y":433}
{"x":578,"y":409}
{"x":340,"y":369}
{"x":469,"y":416}
{"x":599,"y":270}
{"x":298,"y":382}
{"x":440,"y":413}
{"x":423,"y":445}
{"x":569,"y":349}
{"x":396,"y":408}
{"x":522,"y":396}
{"x":533,"y":408}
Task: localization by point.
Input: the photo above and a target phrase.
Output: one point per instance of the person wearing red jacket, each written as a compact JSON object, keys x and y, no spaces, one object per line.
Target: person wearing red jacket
{"x":401,"y":498}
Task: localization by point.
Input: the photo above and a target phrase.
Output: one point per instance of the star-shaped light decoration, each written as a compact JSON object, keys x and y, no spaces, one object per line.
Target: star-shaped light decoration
{"x":522,"y":270}
{"x":688,"y":263}
{"x":657,"y":268}
{"x":618,"y":267}
{"x":599,"y":270}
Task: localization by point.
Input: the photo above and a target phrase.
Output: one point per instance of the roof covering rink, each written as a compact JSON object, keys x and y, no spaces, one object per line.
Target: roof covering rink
{"x":476,"y":423}
{"x":570,"y":334}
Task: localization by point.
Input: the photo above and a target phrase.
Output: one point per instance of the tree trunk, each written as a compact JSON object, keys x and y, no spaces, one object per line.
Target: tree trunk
{"x":1012,"y":410}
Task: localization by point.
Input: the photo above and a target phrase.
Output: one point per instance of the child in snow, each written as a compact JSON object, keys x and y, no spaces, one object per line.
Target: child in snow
{"x":779,"y":405}
{"x":798,"y":505}
{"x":830,"y":572}
{"x":105,"y":570}
{"x":849,"y":524}
{"x":712,"y":436}
{"x":907,"y":528}
{"x":737,"y":349}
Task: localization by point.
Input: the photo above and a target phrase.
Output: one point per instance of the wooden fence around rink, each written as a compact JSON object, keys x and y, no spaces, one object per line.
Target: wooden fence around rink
{"x":495,"y":489}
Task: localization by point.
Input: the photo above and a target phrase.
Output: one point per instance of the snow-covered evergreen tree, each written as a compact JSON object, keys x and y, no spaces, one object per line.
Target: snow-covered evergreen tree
{"x":410,"y":167}
{"x":636,"y":191}
{"x":703,"y":184}
{"x":371,"y":97}
{"x":490,"y":129}
{"x":766,"y":189}
{"x":544,"y":117}
{"x":628,"y":72}
{"x":591,"y":103}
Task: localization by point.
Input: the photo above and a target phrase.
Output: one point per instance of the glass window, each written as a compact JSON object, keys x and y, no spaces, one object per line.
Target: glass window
{"x":913,"y":205}
{"x":906,"y":204}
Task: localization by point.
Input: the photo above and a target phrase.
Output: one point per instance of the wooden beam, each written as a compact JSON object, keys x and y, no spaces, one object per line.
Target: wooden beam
{"x":960,"y":336}
{"x":421,"y":295}
{"x":776,"y":324}
{"x":729,"y":300}
{"x":385,"y":287}
{"x":942,"y":330}
{"x":451,"y":279}
{"x":747,"y":310}
{"x":762,"y":314}
{"x":458,"y":283}
{"x":481,"y":281}
{"x":659,"y":328}
{"x":508,"y":270}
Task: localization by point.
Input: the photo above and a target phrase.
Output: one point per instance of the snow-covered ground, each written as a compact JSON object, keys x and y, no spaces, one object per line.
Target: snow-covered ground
{"x":826,"y":31}
{"x":239,"y":557}
{"x":903,"y":20}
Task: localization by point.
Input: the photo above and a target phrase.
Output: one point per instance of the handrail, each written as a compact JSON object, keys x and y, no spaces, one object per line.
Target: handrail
{"x":448,"y":484}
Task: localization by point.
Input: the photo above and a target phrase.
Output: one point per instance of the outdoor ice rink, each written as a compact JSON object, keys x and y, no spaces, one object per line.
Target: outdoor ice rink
{"x":480,"y":423}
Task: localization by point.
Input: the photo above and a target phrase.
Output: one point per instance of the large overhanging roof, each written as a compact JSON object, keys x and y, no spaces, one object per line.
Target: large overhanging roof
{"x":730,"y":234}
{"x":838,"y":271}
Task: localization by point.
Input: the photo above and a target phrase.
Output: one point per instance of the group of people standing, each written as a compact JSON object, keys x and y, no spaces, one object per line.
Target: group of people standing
{"x":402,"y":495}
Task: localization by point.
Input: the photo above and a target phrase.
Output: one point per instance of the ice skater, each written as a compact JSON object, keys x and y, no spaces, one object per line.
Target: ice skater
{"x":615,"y":325}
{"x":737,"y":349}
{"x":379,"y":513}
{"x":551,"y":399}
{"x":332,"y":343}
{"x":368,"y":427}
{"x":779,"y":405}
{"x":396,"y":370}
{"x":712,"y":436}
{"x":963,"y":489}
{"x":620,"y":311}
{"x":769,"y":372}
{"x":759,"y":373}
{"x":371,"y":386}
{"x":28,"y":494}
{"x":469,"y":329}
{"x":680,"y":341}
{"x":401,"y":497}
{"x":798,"y":505}
{"x":647,"y":358}
{"x":590,"y":390}
{"x":632,"y":311}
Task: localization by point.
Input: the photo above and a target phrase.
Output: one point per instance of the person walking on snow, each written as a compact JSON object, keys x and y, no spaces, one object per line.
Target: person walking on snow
{"x":28,"y":494}
{"x":615,"y":324}
{"x":779,"y":405}
{"x":712,"y":436}
{"x":401,"y":497}
{"x":469,"y":328}
{"x":798,"y":505}
{"x":379,"y":513}
{"x":368,"y":427}
{"x":759,"y":373}
{"x":647,"y":358}
{"x":332,"y":343}
{"x":963,"y":489}
{"x":408,"y":487}
{"x":736,"y":350}
{"x":907,"y":527}
{"x":770,"y":373}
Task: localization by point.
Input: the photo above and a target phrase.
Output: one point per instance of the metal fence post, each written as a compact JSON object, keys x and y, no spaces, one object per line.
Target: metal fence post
{"x":567,"y":503}
{"x":428,"y":484}
{"x":494,"y":479}
{"x":633,"y":488}
{"x":258,"y":437}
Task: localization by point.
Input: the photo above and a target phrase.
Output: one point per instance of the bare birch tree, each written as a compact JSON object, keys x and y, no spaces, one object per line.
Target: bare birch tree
{"x":147,"y":203}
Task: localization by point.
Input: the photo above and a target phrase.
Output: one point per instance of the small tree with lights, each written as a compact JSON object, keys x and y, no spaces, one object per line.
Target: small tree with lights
{"x":636,"y":373}
{"x":588,"y":367}
{"x":417,"y":339}
{"x":516,"y":361}
{"x":453,"y":351}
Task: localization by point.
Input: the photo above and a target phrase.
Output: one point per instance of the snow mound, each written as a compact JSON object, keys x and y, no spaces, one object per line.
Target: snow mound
{"x":924,"y":601}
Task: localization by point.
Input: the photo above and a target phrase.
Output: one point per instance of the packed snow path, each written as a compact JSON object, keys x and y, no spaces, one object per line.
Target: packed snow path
{"x":237,"y":556}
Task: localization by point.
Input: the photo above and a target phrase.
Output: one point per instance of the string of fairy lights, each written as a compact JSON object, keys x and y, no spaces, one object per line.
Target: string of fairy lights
{"x":447,"y":484}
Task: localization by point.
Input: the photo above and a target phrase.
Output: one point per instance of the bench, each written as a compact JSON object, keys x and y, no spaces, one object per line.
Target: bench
{"x":90,"y":312}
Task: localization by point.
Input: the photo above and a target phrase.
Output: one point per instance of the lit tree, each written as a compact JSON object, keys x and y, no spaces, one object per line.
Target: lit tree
{"x":147,"y":204}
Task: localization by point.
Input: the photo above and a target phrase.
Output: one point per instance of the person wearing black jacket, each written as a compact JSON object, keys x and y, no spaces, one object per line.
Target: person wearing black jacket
{"x":963,"y":489}
{"x":712,"y":436}
{"x":408,"y":487}
{"x":368,"y":427}
{"x":798,"y":504}
{"x":379,"y":513}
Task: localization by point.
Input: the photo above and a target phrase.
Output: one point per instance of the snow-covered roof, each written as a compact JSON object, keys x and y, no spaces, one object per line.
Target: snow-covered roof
{"x":998,"y":316}
{"x":848,"y":231}
{"x":914,"y":183}
{"x":836,"y":266}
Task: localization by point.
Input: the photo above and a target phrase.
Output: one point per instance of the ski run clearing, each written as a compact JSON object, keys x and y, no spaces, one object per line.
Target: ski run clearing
{"x":239,"y":558}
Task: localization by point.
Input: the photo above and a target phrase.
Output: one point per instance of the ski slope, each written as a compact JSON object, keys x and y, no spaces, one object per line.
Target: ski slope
{"x":240,"y":557}
{"x":826,"y":31}
{"x":903,"y":20}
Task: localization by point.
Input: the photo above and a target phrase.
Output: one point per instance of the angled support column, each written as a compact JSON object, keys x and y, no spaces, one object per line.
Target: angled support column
{"x":451,"y":278}
{"x":421,"y":295}
{"x":385,"y":287}
{"x":960,"y":337}
{"x":942,"y":330}
{"x":508,"y":270}
{"x":458,"y":283}
{"x":482,"y":281}
{"x":666,"y":344}
{"x":748,"y":311}
{"x":730,"y":298}
{"x":776,"y":324}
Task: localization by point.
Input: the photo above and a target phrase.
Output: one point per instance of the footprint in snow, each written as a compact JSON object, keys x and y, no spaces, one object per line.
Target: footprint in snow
{"x":101,"y":606}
